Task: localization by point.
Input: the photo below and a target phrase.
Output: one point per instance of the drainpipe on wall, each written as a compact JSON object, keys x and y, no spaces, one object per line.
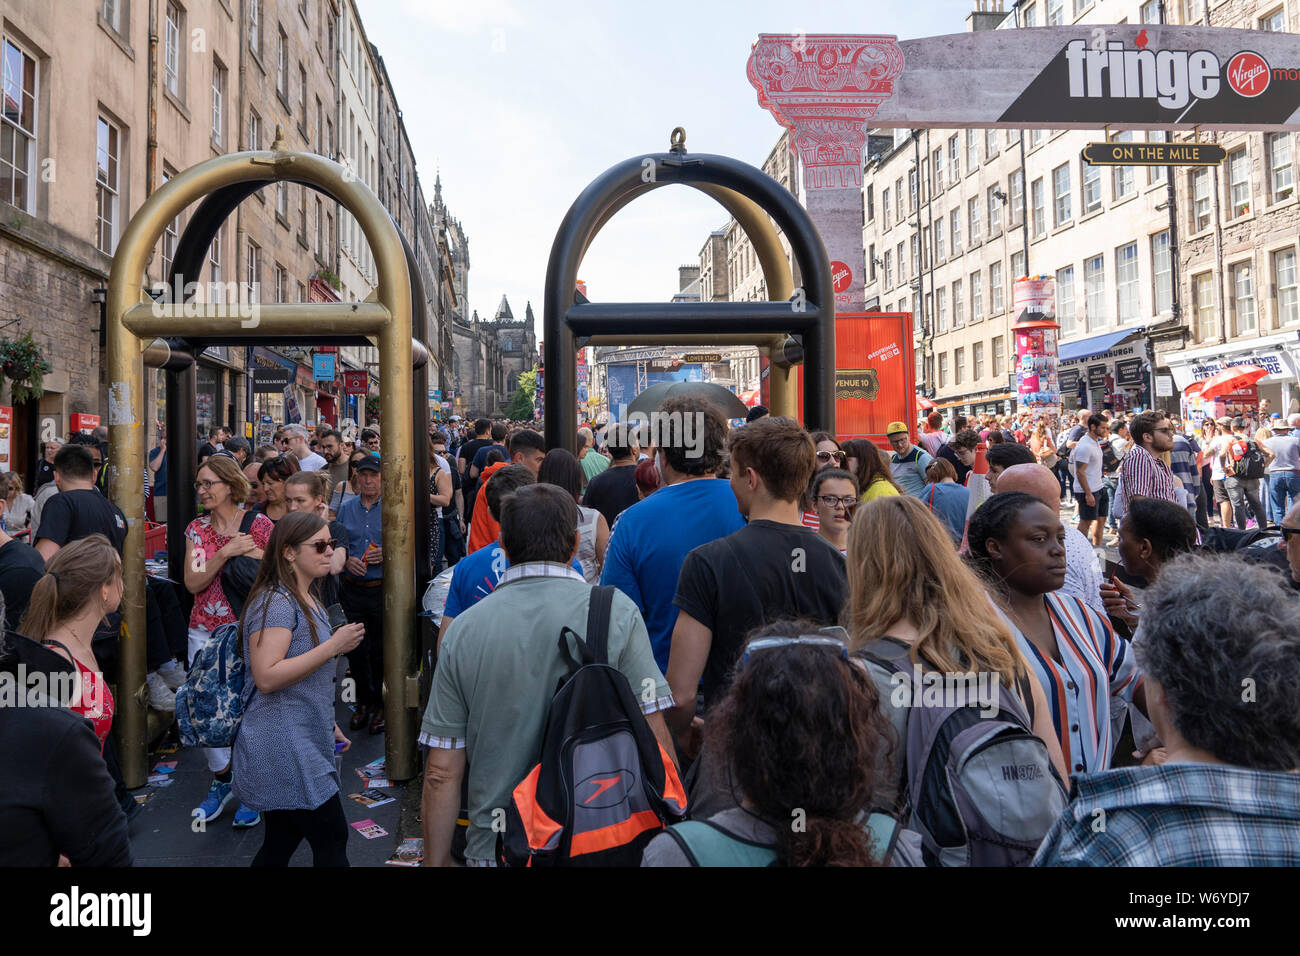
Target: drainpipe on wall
{"x":151,"y":148}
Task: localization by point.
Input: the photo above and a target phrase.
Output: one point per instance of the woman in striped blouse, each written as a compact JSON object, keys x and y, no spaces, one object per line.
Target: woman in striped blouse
{"x":1086,"y":669}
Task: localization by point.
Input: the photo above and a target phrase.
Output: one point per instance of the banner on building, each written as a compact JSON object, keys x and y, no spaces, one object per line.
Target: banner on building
{"x":1090,"y":76}
{"x":356,"y":383}
{"x":292,"y":413}
{"x":322,"y":367}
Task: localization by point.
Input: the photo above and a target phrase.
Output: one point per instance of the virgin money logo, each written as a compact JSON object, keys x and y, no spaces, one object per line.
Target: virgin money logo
{"x":841,"y":276}
{"x":1248,"y":74}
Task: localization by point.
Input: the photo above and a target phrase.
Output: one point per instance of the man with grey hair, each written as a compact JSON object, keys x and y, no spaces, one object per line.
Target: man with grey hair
{"x":593,"y":462}
{"x":1220,"y":655}
{"x":308,"y":460}
{"x":1083,"y":575}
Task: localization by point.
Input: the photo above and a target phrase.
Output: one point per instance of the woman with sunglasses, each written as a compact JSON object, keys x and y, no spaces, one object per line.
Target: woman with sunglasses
{"x":834,"y":494}
{"x":223,"y":533}
{"x":273,"y":474}
{"x":284,"y":753}
{"x":803,"y":736}
{"x":307,"y":491}
{"x":829,"y":455}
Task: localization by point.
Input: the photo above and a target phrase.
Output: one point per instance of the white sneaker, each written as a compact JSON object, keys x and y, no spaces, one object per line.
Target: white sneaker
{"x":173,"y":674}
{"x":160,"y":695}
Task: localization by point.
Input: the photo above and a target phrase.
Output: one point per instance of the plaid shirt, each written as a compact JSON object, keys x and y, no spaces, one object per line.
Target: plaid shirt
{"x":1180,"y":814}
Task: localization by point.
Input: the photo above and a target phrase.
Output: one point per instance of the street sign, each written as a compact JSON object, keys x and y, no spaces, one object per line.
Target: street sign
{"x":1153,"y":154}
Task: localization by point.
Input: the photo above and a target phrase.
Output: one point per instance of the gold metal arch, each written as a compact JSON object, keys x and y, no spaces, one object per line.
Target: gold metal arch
{"x":134,"y":321}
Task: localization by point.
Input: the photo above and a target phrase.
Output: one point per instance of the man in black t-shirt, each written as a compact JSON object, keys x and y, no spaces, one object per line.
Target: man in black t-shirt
{"x":465,"y":457}
{"x":613,"y":491}
{"x":78,"y":510}
{"x":772,"y":568}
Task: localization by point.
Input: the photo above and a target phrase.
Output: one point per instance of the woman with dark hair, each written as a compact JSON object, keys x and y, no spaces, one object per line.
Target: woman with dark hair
{"x":284,"y":753}
{"x":561,"y":469}
{"x":865,"y":462}
{"x":273,"y":474}
{"x":829,"y":455}
{"x":307,"y":491}
{"x":834,"y":493}
{"x":1087,"y":670}
{"x":802,"y":735}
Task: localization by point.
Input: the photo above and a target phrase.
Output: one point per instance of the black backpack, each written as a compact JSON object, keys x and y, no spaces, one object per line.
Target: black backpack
{"x":1248,"y":463}
{"x":603,"y":787}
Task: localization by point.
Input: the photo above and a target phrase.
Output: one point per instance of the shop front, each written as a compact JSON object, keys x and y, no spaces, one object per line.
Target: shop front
{"x":274,"y":377}
{"x":998,"y":402}
{"x":1279,"y":354}
{"x":1110,"y":371}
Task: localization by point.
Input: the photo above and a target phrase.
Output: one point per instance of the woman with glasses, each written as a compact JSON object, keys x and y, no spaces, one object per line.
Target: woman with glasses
{"x":284,"y":753}
{"x":803,"y":737}
{"x":829,"y":455}
{"x":871,"y":469}
{"x":224,"y":532}
{"x":834,"y":494}
{"x":273,"y":474}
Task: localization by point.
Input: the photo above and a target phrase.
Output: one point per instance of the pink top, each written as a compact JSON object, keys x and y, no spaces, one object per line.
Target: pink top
{"x":211,"y":609}
{"x":95,"y":700}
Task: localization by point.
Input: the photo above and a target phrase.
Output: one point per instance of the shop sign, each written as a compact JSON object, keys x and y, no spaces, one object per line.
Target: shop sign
{"x":1165,"y":386}
{"x":322,"y":367}
{"x":1270,"y":360}
{"x":1117,"y":352}
{"x":1129,"y":372}
{"x":356,"y":383}
{"x":1097,"y":376}
{"x":1069,"y":380}
{"x":271,"y":374}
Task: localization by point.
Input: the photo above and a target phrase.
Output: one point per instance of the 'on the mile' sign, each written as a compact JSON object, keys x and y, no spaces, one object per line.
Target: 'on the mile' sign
{"x":1153,"y":154}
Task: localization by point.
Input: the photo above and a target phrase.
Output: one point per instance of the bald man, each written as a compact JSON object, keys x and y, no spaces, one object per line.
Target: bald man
{"x":1083,"y":574}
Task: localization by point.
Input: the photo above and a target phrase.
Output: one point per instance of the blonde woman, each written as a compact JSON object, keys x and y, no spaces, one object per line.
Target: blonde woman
{"x":923,"y":595}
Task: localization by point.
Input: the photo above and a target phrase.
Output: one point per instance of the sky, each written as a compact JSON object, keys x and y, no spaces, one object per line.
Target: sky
{"x":520,"y":105}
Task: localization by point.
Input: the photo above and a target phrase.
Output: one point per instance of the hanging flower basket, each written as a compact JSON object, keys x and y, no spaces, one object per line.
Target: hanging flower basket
{"x":372,"y":407}
{"x":23,"y":364}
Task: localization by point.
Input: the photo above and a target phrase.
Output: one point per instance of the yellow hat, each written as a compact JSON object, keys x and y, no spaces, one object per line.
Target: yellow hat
{"x":896,"y":427}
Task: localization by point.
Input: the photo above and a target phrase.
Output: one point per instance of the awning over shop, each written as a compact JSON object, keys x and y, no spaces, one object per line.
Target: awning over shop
{"x":1095,"y":345}
{"x":1278,"y":353}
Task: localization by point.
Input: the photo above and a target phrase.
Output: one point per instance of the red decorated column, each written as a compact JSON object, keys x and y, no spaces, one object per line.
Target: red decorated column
{"x":825,"y":88}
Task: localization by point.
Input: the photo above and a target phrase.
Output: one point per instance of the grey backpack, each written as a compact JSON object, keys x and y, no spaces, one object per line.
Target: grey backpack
{"x":977,"y":785}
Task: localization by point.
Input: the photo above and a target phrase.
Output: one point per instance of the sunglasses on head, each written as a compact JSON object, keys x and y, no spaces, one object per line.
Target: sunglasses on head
{"x":322,"y":546}
{"x":830,"y":640}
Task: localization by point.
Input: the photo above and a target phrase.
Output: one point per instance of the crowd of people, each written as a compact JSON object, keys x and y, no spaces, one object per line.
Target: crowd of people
{"x":767,"y":592}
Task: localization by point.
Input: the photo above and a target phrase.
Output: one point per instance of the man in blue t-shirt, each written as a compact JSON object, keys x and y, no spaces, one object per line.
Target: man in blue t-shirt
{"x":478,"y":574}
{"x":645,"y":553}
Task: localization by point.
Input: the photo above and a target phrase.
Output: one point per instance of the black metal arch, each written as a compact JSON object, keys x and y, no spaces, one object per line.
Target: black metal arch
{"x":191,"y":252}
{"x":565,"y":320}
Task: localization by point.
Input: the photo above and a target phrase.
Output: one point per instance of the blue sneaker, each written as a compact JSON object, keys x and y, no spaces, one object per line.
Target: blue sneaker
{"x":245,"y":818}
{"x":214,"y":804}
